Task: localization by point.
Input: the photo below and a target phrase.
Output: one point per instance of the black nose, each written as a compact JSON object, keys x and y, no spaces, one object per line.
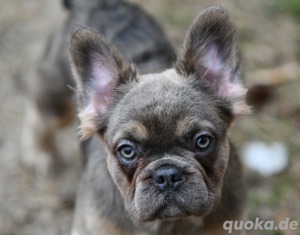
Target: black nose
{"x":167,"y":178}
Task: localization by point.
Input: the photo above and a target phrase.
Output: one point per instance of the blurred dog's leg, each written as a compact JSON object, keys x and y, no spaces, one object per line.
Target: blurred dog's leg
{"x":50,"y":109}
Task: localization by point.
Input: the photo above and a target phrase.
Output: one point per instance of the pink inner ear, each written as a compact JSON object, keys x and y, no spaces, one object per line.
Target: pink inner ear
{"x":101,"y":84}
{"x":218,"y":73}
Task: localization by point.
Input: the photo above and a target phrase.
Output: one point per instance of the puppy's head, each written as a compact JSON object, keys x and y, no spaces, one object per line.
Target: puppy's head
{"x":165,"y":133}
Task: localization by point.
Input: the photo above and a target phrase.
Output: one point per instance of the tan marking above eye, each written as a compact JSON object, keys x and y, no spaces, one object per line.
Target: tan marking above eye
{"x":183,"y":126}
{"x":187,"y":124}
{"x":136,"y":129}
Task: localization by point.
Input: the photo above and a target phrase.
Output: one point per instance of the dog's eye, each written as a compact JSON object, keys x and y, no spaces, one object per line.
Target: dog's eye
{"x":203,"y":142}
{"x":127,"y":151}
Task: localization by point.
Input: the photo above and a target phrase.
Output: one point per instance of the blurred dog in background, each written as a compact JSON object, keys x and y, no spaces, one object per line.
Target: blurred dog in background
{"x":136,"y":34}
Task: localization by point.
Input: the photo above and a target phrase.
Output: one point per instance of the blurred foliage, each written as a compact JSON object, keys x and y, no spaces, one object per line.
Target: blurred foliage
{"x":291,"y":6}
{"x":173,"y":13}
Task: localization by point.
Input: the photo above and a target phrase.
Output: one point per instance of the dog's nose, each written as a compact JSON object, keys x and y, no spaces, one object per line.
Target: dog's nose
{"x":167,"y":178}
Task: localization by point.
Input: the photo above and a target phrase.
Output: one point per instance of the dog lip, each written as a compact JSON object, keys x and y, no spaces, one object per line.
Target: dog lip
{"x":171,"y":203}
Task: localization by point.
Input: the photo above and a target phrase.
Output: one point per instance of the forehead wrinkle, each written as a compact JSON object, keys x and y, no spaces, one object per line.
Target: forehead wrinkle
{"x":132,"y":129}
{"x":189,"y":124}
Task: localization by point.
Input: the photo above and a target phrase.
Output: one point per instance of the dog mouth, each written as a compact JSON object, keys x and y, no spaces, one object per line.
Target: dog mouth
{"x":172,"y":207}
{"x":150,"y":204}
{"x":169,"y":193}
{"x":168,"y":207}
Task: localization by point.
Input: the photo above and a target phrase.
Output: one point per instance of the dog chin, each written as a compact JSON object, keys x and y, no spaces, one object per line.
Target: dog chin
{"x":169,"y":208}
{"x":171,"y":211}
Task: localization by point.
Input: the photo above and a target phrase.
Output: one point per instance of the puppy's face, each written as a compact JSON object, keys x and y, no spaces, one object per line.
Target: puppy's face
{"x":167,"y":147}
{"x":165,"y":133}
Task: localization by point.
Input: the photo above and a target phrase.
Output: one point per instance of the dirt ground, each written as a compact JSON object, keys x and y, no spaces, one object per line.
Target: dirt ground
{"x":270,"y":39}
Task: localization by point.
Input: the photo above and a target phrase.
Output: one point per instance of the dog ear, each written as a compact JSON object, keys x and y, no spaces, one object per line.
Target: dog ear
{"x":210,"y":51}
{"x":99,"y":69}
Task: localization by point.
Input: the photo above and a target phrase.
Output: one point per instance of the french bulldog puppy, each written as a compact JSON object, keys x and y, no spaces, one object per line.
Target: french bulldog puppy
{"x":158,"y":157}
{"x":136,"y":34}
